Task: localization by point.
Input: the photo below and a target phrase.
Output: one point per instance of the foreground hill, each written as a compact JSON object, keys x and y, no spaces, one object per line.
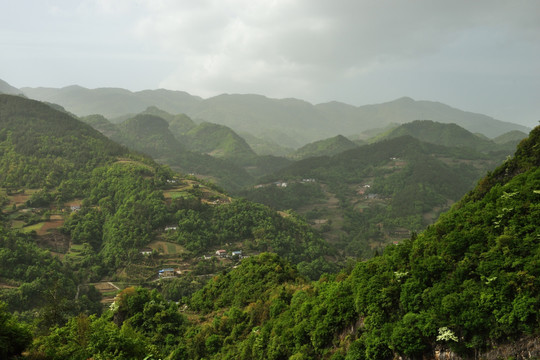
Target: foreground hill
{"x":78,"y":209}
{"x":42,"y":146}
{"x":468,"y":287}
{"x":288,"y":122}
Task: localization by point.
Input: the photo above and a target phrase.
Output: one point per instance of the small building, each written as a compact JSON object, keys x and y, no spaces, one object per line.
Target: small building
{"x":146,"y":251}
{"x":171,"y":227}
{"x":168,"y":272}
{"x":237,"y":253}
{"x":221,"y":253}
{"x":75,"y":207}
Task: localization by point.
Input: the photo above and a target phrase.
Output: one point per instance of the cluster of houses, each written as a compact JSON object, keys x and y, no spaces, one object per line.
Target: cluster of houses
{"x":224,"y":254}
{"x":284,"y":184}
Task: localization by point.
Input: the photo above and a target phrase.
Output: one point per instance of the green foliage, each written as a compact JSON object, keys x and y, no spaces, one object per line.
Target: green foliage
{"x":293,"y":196}
{"x":327,"y":147}
{"x":40,"y":146}
{"x":15,"y":337}
{"x":259,"y":227}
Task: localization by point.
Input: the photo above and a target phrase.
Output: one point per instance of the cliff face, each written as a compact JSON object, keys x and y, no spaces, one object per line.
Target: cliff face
{"x":522,"y":349}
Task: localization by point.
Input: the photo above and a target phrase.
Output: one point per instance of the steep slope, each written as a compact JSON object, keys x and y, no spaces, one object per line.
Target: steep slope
{"x":466,"y":288}
{"x":328,"y":147}
{"x":5,"y":88}
{"x":178,"y":124}
{"x":41,"y":146}
{"x":219,"y":141}
{"x":149,"y":134}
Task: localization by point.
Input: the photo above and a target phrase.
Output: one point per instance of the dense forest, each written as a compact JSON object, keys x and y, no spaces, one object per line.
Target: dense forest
{"x":78,"y":209}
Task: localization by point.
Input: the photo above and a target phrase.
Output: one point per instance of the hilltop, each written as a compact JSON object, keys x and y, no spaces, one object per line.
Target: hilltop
{"x":328,"y":147}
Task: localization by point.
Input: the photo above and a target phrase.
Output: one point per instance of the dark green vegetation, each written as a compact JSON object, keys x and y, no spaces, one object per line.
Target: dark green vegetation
{"x":78,"y":208}
{"x":287,"y":122}
{"x":469,"y":283}
{"x":72,"y":231}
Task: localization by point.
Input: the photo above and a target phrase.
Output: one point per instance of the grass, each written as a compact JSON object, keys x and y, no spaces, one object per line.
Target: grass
{"x":171,"y":248}
{"x":167,"y":248}
{"x":34,"y":227}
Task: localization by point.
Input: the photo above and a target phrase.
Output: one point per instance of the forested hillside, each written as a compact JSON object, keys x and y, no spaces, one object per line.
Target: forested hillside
{"x":152,"y":135}
{"x":468,"y":287}
{"x":369,"y":196}
{"x":80,"y":212}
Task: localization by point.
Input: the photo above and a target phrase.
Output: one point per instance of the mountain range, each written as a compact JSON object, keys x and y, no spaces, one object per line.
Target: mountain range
{"x":287,"y":122}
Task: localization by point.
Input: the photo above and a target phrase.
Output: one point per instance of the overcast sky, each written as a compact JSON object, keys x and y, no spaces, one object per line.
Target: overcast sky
{"x":481,"y":56}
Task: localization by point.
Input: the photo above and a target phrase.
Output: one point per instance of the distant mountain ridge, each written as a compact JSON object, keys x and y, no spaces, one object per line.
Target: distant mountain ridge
{"x":289,"y":122}
{"x":5,"y":88}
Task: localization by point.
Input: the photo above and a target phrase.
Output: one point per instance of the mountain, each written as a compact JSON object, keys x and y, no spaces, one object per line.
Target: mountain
{"x":331,"y":146}
{"x":113,"y":102}
{"x":42,"y":146}
{"x":149,"y":134}
{"x":5,"y":88}
{"x":514,"y":136}
{"x":465,"y":288}
{"x":152,"y":135}
{"x":289,"y":122}
{"x":405,"y":110}
{"x":432,"y":132}
{"x":218,"y":141}
{"x":76,"y":209}
{"x":178,"y":124}
{"x":372,"y":195}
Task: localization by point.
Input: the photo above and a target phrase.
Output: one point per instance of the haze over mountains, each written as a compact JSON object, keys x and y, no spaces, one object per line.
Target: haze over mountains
{"x":288,"y":122}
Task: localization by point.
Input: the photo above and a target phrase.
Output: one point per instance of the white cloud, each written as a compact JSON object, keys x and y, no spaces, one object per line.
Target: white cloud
{"x":320,"y":50}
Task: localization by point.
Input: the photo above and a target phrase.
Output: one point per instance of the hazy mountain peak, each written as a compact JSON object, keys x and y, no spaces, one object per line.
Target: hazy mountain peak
{"x":6,"y":88}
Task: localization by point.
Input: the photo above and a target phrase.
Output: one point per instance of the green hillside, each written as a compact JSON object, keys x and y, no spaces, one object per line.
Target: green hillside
{"x":512,"y":136}
{"x":178,"y":124}
{"x":372,"y":195}
{"x":41,"y":146}
{"x":218,"y":141}
{"x":152,"y":135}
{"x":149,"y":134}
{"x":78,"y":209}
{"x":329,"y":147}
{"x":437,"y":133}
{"x":465,"y":288}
